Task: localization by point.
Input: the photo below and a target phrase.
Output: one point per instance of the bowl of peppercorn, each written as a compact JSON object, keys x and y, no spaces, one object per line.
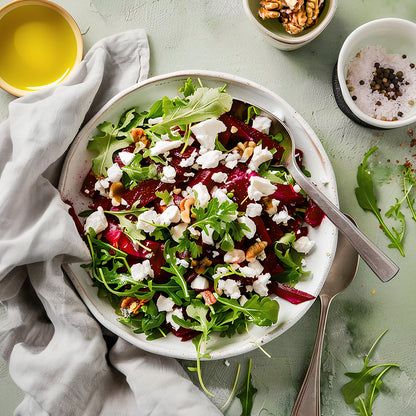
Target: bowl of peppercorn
{"x":374,"y":79}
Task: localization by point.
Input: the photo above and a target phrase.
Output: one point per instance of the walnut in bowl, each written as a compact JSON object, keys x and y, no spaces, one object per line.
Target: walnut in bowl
{"x":290,"y":24}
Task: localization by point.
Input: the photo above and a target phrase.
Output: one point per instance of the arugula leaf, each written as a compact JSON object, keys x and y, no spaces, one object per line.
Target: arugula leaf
{"x":139,"y":173}
{"x":409,"y":181}
{"x":367,"y":200}
{"x":203,"y":104}
{"x":128,"y":226}
{"x":261,"y":311}
{"x":165,"y":196}
{"x":251,"y":111}
{"x":188,"y":88}
{"x":105,"y":145}
{"x":247,"y":394}
{"x":365,"y":385}
{"x":176,"y":270}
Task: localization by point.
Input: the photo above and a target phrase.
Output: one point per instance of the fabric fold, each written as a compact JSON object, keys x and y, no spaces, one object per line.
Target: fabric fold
{"x":57,"y":352}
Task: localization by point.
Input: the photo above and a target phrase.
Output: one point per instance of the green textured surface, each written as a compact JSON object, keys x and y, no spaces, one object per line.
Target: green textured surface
{"x":216,"y":35}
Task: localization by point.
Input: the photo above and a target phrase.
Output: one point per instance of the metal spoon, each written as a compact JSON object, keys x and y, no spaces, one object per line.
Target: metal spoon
{"x":341,"y":274}
{"x":381,"y":265}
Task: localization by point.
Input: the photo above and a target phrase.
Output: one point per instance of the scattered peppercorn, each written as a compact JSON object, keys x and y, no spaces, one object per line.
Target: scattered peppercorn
{"x":412,"y":65}
{"x":354,"y":97}
{"x":361,"y":82}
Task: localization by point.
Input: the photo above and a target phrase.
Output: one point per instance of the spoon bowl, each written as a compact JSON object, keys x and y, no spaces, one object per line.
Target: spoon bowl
{"x":382,"y":266}
{"x":341,"y":274}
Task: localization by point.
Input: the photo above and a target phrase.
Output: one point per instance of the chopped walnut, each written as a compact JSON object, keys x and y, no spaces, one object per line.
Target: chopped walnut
{"x":133,"y":304}
{"x":295,"y":15}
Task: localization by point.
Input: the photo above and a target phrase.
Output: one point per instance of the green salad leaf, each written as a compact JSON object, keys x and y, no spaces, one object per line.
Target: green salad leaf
{"x":365,"y":384}
{"x":203,"y":104}
{"x":368,"y":201}
{"x":247,"y":393}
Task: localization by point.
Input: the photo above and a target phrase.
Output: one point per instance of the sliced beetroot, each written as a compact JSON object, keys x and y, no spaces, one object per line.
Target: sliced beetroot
{"x":238,"y":182}
{"x":272,"y":228}
{"x":145,"y":192}
{"x":248,"y":133}
{"x":289,"y":293}
{"x":287,"y":195}
{"x":112,"y":234}
{"x":177,"y":158}
{"x":224,"y":138}
{"x":103,"y":202}
{"x":313,"y":214}
{"x":88,"y":186}
{"x":185,"y":334}
{"x":261,"y":231}
{"x":204,"y":177}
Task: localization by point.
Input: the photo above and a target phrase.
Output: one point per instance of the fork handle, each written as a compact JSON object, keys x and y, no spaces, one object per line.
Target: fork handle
{"x":308,"y":402}
{"x":379,"y":263}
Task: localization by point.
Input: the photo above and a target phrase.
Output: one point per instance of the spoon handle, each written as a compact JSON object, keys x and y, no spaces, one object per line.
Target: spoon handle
{"x":381,"y":265}
{"x":308,"y":402}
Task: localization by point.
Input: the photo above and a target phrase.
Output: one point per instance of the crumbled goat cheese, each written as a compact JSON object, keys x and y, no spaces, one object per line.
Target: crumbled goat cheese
{"x":250,"y":224}
{"x":259,"y":156}
{"x":220,"y":271}
{"x":178,"y":230}
{"x":253,"y":210}
{"x":234,"y":256}
{"x":169,"y":174}
{"x":164,"y":304}
{"x":296,"y":188}
{"x":186,"y":163}
{"x":164,"y":146}
{"x":200,"y":283}
{"x":260,"y":285}
{"x":273,"y":209}
{"x":232,"y":159}
{"x":101,"y":186}
{"x":260,"y":187}
{"x":114,"y":173}
{"x":202,"y":196}
{"x":146,"y":217}
{"x":206,"y":132}
{"x":169,"y":318}
{"x":243,"y":300}
{"x":221,"y":195}
{"x":281,"y":217}
{"x":126,"y":157}
{"x":215,"y":254}
{"x":219,"y":177}
{"x":141,"y":271}
{"x":97,"y":221}
{"x":207,"y":238}
{"x":170,"y":215}
{"x":210,"y":159}
{"x":182,"y":262}
{"x":253,"y":269}
{"x":230,"y":288}
{"x":262,"y":124}
{"x":303,"y":245}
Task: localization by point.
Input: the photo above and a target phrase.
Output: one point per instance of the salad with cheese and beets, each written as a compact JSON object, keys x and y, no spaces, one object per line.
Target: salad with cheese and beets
{"x":193,"y":229}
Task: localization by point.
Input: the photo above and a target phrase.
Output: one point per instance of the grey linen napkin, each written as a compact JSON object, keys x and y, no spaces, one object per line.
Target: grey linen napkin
{"x":57,"y":352}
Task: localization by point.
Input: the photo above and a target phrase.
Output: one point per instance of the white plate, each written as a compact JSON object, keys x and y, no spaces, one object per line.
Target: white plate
{"x":143,"y":95}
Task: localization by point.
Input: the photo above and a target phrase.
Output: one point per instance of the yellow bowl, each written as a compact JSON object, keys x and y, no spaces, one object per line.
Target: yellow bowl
{"x":40,"y":44}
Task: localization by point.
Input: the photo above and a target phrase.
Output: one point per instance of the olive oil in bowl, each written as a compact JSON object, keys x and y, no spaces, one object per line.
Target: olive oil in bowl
{"x":39,"y":45}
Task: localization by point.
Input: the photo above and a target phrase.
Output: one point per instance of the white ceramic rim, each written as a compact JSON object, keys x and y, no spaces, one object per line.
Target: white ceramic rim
{"x":152,"y":346}
{"x":72,"y":23}
{"x":299,"y":39}
{"x":341,"y":64}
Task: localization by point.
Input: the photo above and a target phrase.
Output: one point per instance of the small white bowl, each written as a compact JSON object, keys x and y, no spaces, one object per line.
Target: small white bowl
{"x":392,"y":34}
{"x":276,"y":34}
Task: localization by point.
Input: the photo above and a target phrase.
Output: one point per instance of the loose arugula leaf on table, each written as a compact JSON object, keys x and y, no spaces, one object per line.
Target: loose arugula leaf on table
{"x":365,"y":385}
{"x":247,"y":394}
{"x":367,"y":200}
{"x":409,"y":181}
{"x":203,"y":104}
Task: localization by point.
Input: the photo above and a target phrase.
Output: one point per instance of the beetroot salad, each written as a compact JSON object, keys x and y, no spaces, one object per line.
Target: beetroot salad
{"x":193,"y":228}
